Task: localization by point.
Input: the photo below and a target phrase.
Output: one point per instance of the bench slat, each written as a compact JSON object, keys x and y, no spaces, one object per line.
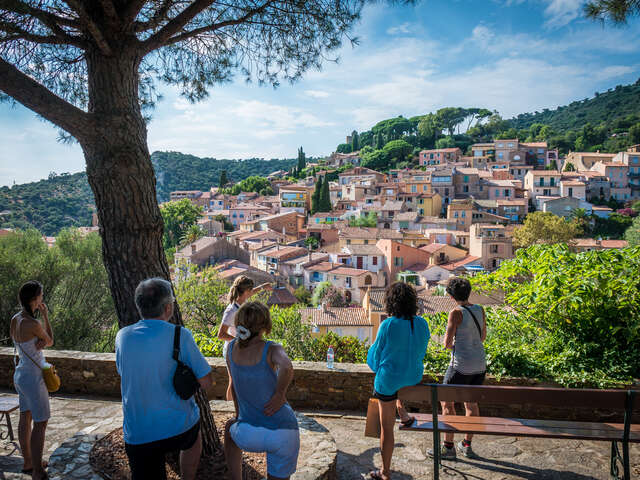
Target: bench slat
{"x":524,"y":428}
{"x":8,"y":404}
{"x":556,"y":397}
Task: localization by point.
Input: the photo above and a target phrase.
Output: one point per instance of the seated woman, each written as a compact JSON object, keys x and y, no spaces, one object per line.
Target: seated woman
{"x":260,"y":375}
{"x":396,"y":357}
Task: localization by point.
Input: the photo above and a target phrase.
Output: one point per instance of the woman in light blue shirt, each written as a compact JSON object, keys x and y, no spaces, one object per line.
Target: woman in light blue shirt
{"x":396,"y":358}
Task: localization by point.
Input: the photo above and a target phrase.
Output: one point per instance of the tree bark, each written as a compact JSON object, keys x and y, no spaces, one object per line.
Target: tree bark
{"x":122,"y":178}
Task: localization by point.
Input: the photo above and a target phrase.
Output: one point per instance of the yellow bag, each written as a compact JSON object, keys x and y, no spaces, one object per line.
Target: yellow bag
{"x":51,"y":379}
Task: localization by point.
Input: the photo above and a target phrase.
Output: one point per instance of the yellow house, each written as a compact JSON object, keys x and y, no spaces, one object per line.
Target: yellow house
{"x":345,"y":322}
{"x":429,"y":204}
{"x":418,"y":184}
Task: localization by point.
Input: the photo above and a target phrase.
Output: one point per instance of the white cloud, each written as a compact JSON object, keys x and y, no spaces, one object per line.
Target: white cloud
{"x":562,"y":12}
{"x":316,"y":93}
{"x":402,"y":29}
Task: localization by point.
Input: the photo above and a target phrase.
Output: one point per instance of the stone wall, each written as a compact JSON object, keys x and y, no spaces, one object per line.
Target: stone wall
{"x":347,"y":387}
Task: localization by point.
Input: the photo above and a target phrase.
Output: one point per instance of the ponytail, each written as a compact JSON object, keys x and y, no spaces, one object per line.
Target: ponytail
{"x":251,"y":320}
{"x":240,"y":285}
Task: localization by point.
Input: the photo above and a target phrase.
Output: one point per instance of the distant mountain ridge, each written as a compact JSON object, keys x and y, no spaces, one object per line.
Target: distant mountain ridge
{"x":66,"y":200}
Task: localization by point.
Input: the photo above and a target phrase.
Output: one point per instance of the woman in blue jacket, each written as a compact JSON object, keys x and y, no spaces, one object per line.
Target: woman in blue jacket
{"x":396,"y":358}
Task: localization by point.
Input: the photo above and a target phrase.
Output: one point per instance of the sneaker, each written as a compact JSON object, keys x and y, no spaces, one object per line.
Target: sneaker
{"x":445,"y":453}
{"x":466,"y":450}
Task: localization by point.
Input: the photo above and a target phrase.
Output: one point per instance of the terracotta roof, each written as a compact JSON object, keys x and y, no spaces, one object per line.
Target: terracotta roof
{"x":417,"y":267}
{"x":363,"y":250}
{"x":534,"y":144}
{"x":347,"y":271}
{"x":321,"y":267}
{"x":199,"y":244}
{"x":460,"y":263}
{"x":544,"y":173}
{"x":573,"y":183}
{"x":231,"y":272}
{"x":407,"y":217}
{"x":284,"y":251}
{"x":392,"y":205}
{"x":369,"y":233}
{"x":433,"y":247}
{"x":335,"y":316}
{"x":592,"y":242}
{"x":441,"y":150}
{"x":315,"y":256}
{"x":281,"y":296}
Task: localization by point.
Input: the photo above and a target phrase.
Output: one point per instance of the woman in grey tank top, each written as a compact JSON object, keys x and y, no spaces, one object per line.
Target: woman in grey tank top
{"x":466,"y":332}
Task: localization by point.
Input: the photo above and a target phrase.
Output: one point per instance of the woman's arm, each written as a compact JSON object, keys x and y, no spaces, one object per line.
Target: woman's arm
{"x":282,"y":364}
{"x":484,"y":324}
{"x":224,"y":334}
{"x":259,"y":288}
{"x":455,"y":318}
{"x":233,"y":390}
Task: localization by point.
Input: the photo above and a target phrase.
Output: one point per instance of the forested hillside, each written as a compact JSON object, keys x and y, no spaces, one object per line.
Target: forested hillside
{"x":179,"y":171}
{"x":609,"y":122}
{"x":610,"y":107}
{"x":49,"y":205}
{"x":67,"y":201}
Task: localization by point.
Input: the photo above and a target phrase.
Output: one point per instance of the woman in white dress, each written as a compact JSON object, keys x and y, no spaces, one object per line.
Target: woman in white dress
{"x":30,"y":337}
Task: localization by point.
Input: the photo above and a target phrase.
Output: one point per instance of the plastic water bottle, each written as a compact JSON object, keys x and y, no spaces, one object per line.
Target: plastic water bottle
{"x":330,"y":357}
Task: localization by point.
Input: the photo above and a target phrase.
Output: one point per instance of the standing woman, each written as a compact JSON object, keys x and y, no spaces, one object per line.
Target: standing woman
{"x":241,"y":290}
{"x":30,"y":337}
{"x":397,"y":358}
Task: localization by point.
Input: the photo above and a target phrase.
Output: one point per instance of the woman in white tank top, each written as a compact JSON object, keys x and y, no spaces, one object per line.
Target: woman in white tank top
{"x":30,"y":337}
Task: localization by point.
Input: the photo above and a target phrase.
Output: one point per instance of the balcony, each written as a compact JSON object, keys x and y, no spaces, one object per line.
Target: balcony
{"x":634,"y":174}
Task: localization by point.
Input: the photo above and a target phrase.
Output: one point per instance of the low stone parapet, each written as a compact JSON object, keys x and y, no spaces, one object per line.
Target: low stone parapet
{"x":346,"y":387}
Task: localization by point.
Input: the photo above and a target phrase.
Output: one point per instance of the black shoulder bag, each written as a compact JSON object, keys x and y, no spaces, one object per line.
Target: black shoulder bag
{"x":184,"y":381}
{"x":474,"y":319}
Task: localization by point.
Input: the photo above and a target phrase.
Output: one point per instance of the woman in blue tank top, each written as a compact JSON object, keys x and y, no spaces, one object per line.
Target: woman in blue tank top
{"x":260,"y":375}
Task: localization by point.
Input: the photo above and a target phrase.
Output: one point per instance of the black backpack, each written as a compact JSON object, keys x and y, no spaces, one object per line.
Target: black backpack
{"x":184,"y":381}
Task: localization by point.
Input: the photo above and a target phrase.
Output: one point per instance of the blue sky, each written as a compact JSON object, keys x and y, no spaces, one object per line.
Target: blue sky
{"x":514,"y":56}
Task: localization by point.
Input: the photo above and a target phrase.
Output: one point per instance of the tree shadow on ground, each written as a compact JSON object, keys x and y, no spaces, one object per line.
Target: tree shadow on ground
{"x":509,"y":468}
{"x":364,"y":463}
{"x":10,"y":462}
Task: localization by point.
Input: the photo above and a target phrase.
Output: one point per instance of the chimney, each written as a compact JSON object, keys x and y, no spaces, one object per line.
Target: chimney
{"x":309,"y":256}
{"x":193,"y":248}
{"x":325,"y":307}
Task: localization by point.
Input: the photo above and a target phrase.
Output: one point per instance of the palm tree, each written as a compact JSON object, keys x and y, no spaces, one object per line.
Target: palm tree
{"x":580,"y":217}
{"x":193,"y":233}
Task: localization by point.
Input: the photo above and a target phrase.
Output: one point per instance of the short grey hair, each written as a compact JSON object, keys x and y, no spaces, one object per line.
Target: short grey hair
{"x":152,"y":295}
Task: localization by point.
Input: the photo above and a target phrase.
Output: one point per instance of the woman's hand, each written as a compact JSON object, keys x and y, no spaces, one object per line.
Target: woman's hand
{"x":42,"y":308}
{"x":275,"y":404}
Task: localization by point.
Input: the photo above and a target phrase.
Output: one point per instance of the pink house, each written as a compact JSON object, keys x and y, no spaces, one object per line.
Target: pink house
{"x":500,"y":189}
{"x":398,"y":257}
{"x":440,"y":156}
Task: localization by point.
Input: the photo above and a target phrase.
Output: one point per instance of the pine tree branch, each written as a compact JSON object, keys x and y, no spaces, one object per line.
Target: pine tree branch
{"x":175,"y":25}
{"x":42,"y":101}
{"x":90,"y":25}
{"x":216,"y":26}
{"x":132,"y":12}
{"x":47,"y":18}
{"x":159,"y":16}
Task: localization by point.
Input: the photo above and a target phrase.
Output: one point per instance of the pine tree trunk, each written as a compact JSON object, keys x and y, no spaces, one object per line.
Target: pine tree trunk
{"x":122,"y":178}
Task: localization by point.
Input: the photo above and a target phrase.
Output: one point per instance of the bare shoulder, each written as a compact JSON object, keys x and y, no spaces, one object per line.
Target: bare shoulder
{"x":455,"y":315}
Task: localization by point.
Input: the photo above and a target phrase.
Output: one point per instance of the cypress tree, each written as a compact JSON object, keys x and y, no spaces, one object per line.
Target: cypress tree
{"x":302,"y":160}
{"x":223,"y":179}
{"x":315,"y":198}
{"x":355,"y":141}
{"x":324,"y":200}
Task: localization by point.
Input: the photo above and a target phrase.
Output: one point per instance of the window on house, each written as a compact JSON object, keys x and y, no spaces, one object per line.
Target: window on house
{"x":348,"y":242}
{"x":542,"y":181}
{"x":570,"y":191}
{"x":464,"y":214}
{"x":414,"y":188}
{"x":398,"y":261}
{"x":455,"y":214}
{"x":374,"y":260}
{"x":507,"y":193}
{"x":466,"y":178}
{"x":552,"y":181}
{"x":465,"y":189}
{"x":497,"y":192}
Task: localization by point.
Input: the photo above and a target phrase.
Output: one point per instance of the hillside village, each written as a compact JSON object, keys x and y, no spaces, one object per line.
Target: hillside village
{"x":450,"y":214}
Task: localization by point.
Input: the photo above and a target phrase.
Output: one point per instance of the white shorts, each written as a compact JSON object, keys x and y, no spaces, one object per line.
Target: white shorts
{"x":282,"y":446}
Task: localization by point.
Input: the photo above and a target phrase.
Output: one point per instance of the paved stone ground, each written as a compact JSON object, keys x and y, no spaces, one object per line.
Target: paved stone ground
{"x":501,"y":458}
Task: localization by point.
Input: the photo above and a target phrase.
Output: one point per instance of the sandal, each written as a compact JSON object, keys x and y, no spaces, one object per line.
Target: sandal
{"x":376,"y":475}
{"x":27,"y":471}
{"x":409,"y":422}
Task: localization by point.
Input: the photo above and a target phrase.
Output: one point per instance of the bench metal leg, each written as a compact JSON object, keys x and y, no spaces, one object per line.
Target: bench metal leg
{"x":9,"y":434}
{"x":623,"y":459}
{"x":436,"y":433}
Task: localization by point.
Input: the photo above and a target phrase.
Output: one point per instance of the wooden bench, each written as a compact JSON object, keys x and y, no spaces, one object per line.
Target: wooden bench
{"x":618,"y":400}
{"x":8,"y":405}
